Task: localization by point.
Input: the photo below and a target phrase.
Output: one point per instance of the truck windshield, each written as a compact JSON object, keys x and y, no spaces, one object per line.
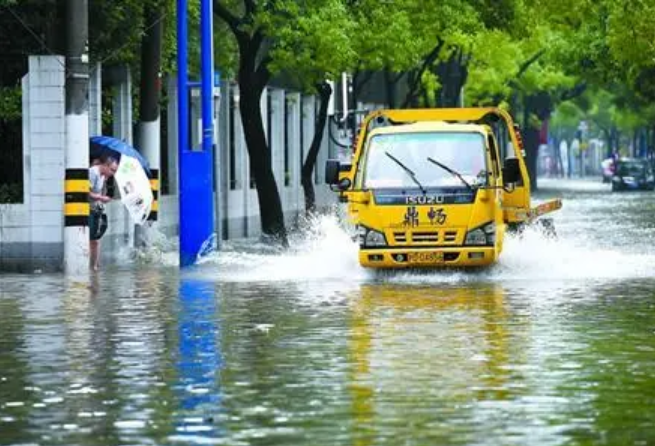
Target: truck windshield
{"x":463,"y":152}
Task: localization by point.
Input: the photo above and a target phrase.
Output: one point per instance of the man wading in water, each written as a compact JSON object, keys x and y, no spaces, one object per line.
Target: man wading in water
{"x":99,"y":173}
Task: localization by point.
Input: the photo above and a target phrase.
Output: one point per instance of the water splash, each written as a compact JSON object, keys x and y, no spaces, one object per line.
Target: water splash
{"x":535,"y":257}
{"x":155,"y":247}
{"x":326,"y":250}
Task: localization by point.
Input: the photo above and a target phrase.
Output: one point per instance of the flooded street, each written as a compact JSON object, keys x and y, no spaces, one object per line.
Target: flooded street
{"x":555,"y":345}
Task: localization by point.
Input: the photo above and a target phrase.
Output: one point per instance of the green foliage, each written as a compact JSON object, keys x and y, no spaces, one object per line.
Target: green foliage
{"x":514,"y":49}
{"x":495,"y":62}
{"x":115,"y":30}
{"x":11,"y":193}
{"x":385,"y":36}
{"x":10,"y":103}
{"x":312,"y":40}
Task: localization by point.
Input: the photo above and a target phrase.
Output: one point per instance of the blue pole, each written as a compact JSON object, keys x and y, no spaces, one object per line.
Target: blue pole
{"x":207,"y":77}
{"x":195,"y":166}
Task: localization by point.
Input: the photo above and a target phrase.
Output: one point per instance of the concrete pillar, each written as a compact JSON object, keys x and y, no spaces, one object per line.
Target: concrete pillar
{"x":294,"y":191}
{"x":223,"y":158}
{"x":95,"y":100}
{"x":122,"y":129}
{"x":76,"y":206}
{"x":276,"y":143}
{"x":172,"y":135}
{"x":45,"y":141}
{"x":122,"y":105}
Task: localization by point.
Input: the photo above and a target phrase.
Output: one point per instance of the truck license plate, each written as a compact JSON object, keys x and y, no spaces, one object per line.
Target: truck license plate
{"x":425,"y":257}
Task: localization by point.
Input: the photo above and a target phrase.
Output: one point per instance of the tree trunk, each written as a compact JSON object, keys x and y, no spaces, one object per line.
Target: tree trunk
{"x":559,"y":164}
{"x":324,"y":92}
{"x":270,"y":204}
{"x":608,"y":140}
{"x":253,"y":75}
{"x":390,"y":88}
{"x":414,"y":77}
{"x":531,"y":142}
{"x":452,"y":74}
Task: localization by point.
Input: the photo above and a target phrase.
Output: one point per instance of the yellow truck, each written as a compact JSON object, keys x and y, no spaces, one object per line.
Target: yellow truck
{"x":436,"y":187}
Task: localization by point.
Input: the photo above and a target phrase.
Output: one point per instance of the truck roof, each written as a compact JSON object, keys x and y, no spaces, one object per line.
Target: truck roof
{"x":430,"y":126}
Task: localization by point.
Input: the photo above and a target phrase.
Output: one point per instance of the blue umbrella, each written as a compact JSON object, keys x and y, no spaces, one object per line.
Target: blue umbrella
{"x":103,"y":144}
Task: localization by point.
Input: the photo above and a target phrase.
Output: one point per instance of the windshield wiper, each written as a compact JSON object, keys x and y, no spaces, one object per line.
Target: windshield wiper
{"x":409,"y":171}
{"x":451,"y":171}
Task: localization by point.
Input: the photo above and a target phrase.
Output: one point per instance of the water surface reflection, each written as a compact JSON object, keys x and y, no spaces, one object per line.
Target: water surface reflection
{"x":552,"y":346}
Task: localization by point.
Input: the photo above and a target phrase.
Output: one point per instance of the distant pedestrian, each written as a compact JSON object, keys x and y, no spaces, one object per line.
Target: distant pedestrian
{"x":99,"y":172}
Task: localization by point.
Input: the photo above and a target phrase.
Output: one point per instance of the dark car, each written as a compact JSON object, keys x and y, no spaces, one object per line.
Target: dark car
{"x":633,"y":174}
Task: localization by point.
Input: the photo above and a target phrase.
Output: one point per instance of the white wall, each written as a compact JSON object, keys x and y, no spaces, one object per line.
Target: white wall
{"x":31,"y":234}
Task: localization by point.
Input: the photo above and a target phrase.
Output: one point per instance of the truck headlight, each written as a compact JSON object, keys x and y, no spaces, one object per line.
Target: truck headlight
{"x":485,"y":235}
{"x":371,"y":238}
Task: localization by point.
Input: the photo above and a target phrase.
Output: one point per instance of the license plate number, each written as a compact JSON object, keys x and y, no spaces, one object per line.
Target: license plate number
{"x":425,"y":257}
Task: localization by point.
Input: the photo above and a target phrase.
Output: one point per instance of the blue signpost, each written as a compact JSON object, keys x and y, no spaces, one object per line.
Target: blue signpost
{"x":196,"y":203}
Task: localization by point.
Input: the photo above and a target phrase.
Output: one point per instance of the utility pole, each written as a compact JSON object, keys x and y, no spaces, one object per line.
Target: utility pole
{"x":149,"y":110}
{"x":76,"y":201}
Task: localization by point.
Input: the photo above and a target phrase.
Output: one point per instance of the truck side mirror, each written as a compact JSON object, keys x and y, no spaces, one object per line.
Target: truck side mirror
{"x":511,"y":171}
{"x":332,"y":168}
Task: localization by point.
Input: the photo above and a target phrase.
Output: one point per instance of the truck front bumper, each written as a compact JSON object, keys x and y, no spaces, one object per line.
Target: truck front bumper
{"x":469,"y":256}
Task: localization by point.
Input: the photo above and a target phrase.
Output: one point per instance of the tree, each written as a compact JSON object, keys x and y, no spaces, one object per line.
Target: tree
{"x":317,"y":48}
{"x":324,"y":93}
{"x":308,"y":38}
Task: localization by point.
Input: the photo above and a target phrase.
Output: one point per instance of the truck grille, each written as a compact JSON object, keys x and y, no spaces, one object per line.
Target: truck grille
{"x":400,"y":237}
{"x":425,"y":237}
{"x":449,"y":236}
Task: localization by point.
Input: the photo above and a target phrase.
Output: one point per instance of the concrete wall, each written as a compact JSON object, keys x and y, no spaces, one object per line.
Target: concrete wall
{"x":31,"y":233}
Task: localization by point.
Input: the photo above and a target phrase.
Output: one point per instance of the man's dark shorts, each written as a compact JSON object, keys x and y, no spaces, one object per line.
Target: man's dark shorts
{"x":97,"y":225}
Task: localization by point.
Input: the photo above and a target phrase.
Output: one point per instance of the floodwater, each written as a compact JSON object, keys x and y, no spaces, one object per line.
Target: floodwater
{"x":555,"y":345}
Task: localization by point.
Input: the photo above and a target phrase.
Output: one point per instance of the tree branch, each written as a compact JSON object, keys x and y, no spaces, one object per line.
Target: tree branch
{"x":574,"y":92}
{"x":250,"y":7}
{"x":427,"y":61}
{"x":525,"y":65}
{"x":227,"y":16}
{"x":257,"y":39}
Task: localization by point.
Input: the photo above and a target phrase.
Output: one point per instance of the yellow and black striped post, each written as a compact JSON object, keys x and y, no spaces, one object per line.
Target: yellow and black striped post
{"x":154,"y":185}
{"x":76,"y":201}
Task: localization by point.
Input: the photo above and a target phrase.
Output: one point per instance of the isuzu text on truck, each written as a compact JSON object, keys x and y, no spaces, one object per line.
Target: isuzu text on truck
{"x":436,"y":187}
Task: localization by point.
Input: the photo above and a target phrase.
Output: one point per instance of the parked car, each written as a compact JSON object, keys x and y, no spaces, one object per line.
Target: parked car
{"x":632,"y":174}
